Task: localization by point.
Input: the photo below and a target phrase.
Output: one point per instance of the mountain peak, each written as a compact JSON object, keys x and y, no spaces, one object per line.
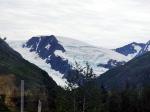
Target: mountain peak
{"x":130,"y":50}
{"x":45,"y":45}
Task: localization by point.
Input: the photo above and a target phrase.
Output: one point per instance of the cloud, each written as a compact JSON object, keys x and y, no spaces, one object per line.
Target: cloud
{"x":106,"y":23}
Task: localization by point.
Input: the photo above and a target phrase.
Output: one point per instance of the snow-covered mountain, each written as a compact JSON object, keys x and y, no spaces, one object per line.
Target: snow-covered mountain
{"x":57,"y":56}
{"x":83,"y":52}
{"x":131,"y":50}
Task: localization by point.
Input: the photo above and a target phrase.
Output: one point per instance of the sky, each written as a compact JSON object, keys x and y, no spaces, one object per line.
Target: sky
{"x":106,"y":23}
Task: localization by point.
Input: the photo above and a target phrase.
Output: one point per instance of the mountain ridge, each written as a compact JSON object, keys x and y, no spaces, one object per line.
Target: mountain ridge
{"x":130,"y":50}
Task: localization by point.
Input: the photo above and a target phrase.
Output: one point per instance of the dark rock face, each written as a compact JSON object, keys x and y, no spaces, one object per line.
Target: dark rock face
{"x":111,"y":64}
{"x":130,"y":48}
{"x":45,"y":47}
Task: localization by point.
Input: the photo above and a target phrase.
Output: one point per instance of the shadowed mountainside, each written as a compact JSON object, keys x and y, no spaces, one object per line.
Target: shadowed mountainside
{"x":38,"y":85}
{"x":135,"y":73}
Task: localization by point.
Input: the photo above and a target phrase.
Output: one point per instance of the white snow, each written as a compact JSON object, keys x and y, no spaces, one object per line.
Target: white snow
{"x":82,"y":53}
{"x":48,"y":46}
{"x":38,"y":43}
{"x":137,"y":48}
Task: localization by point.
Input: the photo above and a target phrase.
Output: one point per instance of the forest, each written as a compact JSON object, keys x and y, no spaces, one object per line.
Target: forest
{"x":94,"y":98}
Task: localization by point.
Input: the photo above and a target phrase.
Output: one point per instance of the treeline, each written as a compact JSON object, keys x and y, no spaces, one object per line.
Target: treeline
{"x":89,"y":97}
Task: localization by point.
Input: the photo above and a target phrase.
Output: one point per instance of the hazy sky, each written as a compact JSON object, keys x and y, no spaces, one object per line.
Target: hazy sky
{"x":107,"y":23}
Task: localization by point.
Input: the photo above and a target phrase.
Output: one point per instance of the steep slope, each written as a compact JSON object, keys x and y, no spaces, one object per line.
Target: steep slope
{"x":38,"y":85}
{"x":135,"y":73}
{"x":131,"y":50}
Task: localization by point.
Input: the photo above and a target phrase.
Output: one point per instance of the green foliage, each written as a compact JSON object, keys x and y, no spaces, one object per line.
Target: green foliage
{"x":100,"y":100}
{"x":92,"y":98}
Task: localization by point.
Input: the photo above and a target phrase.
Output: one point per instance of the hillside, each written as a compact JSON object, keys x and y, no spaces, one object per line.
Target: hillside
{"x":38,"y":85}
{"x":135,"y":73}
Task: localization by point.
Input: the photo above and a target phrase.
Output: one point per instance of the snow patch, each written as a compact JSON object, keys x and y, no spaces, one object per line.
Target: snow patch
{"x":47,"y":46}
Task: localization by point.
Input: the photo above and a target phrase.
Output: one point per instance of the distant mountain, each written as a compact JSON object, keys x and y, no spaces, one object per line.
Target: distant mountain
{"x":131,"y":50}
{"x":145,"y":49}
{"x":135,"y":73}
{"x":38,"y":85}
{"x":57,"y":55}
